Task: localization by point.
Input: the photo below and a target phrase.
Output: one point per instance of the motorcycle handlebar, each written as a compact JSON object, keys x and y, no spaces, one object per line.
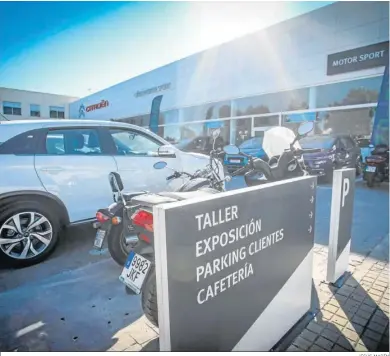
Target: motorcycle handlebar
{"x":171,"y":177}
{"x":179,"y":174}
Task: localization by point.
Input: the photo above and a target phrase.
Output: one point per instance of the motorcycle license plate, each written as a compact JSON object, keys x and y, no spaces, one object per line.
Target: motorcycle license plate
{"x":99,"y":238}
{"x":235,"y":161}
{"x":135,"y":272}
{"x":370,"y":169}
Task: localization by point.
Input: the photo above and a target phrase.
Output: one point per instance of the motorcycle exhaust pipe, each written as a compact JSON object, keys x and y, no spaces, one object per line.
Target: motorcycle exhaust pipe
{"x":131,"y":240}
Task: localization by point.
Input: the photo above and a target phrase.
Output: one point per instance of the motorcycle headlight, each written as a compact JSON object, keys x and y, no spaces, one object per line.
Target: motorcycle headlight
{"x":331,"y":157}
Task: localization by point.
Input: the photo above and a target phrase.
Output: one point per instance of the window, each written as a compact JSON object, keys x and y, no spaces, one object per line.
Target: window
{"x":276,"y":102}
{"x":362,"y":91}
{"x":73,"y":142}
{"x":345,"y":122}
{"x":35,"y":110}
{"x":219,"y":110}
{"x":132,"y":143}
{"x":241,"y":130}
{"x":169,"y":117}
{"x":57,"y":112}
{"x":11,"y":108}
{"x":142,"y":120}
{"x":196,"y":137}
{"x":266,"y":121}
{"x":24,"y":143}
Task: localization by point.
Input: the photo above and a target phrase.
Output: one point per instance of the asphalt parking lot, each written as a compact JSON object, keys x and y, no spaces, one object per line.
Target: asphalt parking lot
{"x":75,"y":302}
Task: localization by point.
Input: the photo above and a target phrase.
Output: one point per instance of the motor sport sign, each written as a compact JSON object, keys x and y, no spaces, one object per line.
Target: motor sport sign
{"x":366,"y":57}
{"x":234,"y":269}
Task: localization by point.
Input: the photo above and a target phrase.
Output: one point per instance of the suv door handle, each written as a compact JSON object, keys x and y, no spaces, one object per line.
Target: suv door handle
{"x":51,"y":169}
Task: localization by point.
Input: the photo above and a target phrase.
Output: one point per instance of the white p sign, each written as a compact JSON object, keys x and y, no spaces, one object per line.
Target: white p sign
{"x":345,"y":189}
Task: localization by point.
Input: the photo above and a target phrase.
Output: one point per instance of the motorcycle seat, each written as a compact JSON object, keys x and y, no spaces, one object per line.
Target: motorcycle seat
{"x":169,"y":197}
{"x":186,"y":195}
{"x":130,"y":195}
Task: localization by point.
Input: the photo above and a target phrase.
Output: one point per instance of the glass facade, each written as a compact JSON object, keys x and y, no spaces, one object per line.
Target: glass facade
{"x":195,"y":136}
{"x":240,"y":119}
{"x":362,"y":91}
{"x":270,"y":103}
{"x":219,"y":110}
{"x":351,"y":122}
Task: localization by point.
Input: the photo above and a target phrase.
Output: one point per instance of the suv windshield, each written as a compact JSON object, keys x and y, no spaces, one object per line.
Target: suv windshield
{"x":324,"y":142}
{"x":254,"y":142}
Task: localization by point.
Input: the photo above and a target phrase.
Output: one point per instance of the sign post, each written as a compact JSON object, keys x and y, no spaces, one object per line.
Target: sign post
{"x":234,"y":270}
{"x":343,"y":193}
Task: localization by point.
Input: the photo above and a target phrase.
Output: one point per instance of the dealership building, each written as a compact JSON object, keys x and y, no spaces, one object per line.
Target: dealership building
{"x":326,"y":66}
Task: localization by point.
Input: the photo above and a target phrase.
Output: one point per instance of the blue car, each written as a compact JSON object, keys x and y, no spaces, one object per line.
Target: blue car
{"x":252,"y":147}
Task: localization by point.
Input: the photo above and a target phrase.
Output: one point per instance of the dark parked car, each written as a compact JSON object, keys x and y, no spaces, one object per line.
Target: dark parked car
{"x":337,"y":151}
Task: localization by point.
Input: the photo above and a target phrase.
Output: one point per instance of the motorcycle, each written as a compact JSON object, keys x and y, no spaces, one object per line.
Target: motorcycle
{"x":114,"y":222}
{"x":377,"y":165}
{"x":139,"y":275}
{"x":286,"y":156}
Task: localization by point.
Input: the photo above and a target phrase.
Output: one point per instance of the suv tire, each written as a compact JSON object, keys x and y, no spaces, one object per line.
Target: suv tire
{"x":41,"y":238}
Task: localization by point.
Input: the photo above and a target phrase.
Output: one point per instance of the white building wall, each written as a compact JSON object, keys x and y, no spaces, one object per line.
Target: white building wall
{"x":44,"y":100}
{"x":288,"y":55}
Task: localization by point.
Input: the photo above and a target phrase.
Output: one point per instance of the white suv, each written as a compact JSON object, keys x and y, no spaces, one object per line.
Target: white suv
{"x":55,"y":173}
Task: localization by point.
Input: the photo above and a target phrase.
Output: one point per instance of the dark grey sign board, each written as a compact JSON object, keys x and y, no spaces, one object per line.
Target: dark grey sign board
{"x":341,"y":216}
{"x":375,"y":55}
{"x":234,"y":270}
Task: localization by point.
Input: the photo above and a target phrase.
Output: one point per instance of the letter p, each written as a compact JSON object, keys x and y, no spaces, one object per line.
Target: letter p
{"x":345,"y":190}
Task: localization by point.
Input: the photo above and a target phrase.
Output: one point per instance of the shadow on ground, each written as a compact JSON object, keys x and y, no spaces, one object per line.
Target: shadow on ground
{"x":152,"y":346}
{"x":356,"y":323}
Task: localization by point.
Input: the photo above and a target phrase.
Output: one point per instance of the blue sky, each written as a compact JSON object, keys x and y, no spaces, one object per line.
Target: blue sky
{"x":77,"y":48}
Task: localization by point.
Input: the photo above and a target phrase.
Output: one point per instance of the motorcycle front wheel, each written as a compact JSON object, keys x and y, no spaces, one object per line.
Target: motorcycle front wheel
{"x":117,"y":246}
{"x":370,"y":179}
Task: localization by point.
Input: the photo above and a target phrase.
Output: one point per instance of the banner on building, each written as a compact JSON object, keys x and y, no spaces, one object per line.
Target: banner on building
{"x":155,"y":114}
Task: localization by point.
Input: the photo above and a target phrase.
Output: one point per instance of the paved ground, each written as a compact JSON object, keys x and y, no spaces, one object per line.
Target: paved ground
{"x":354,"y":317}
{"x":74,"y":301}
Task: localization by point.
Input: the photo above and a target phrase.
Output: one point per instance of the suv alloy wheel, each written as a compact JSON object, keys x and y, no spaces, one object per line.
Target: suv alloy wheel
{"x":28,"y":233}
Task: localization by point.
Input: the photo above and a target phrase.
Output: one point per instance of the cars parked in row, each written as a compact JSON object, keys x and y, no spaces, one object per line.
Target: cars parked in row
{"x":54,"y":174}
{"x":337,"y":151}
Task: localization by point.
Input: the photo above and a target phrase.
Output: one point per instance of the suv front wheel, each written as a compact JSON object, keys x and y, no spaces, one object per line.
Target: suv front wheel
{"x":28,"y":233}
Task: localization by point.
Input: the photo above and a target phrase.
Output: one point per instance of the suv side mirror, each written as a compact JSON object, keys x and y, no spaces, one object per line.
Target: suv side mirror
{"x":115,"y":182}
{"x":166,"y":151}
